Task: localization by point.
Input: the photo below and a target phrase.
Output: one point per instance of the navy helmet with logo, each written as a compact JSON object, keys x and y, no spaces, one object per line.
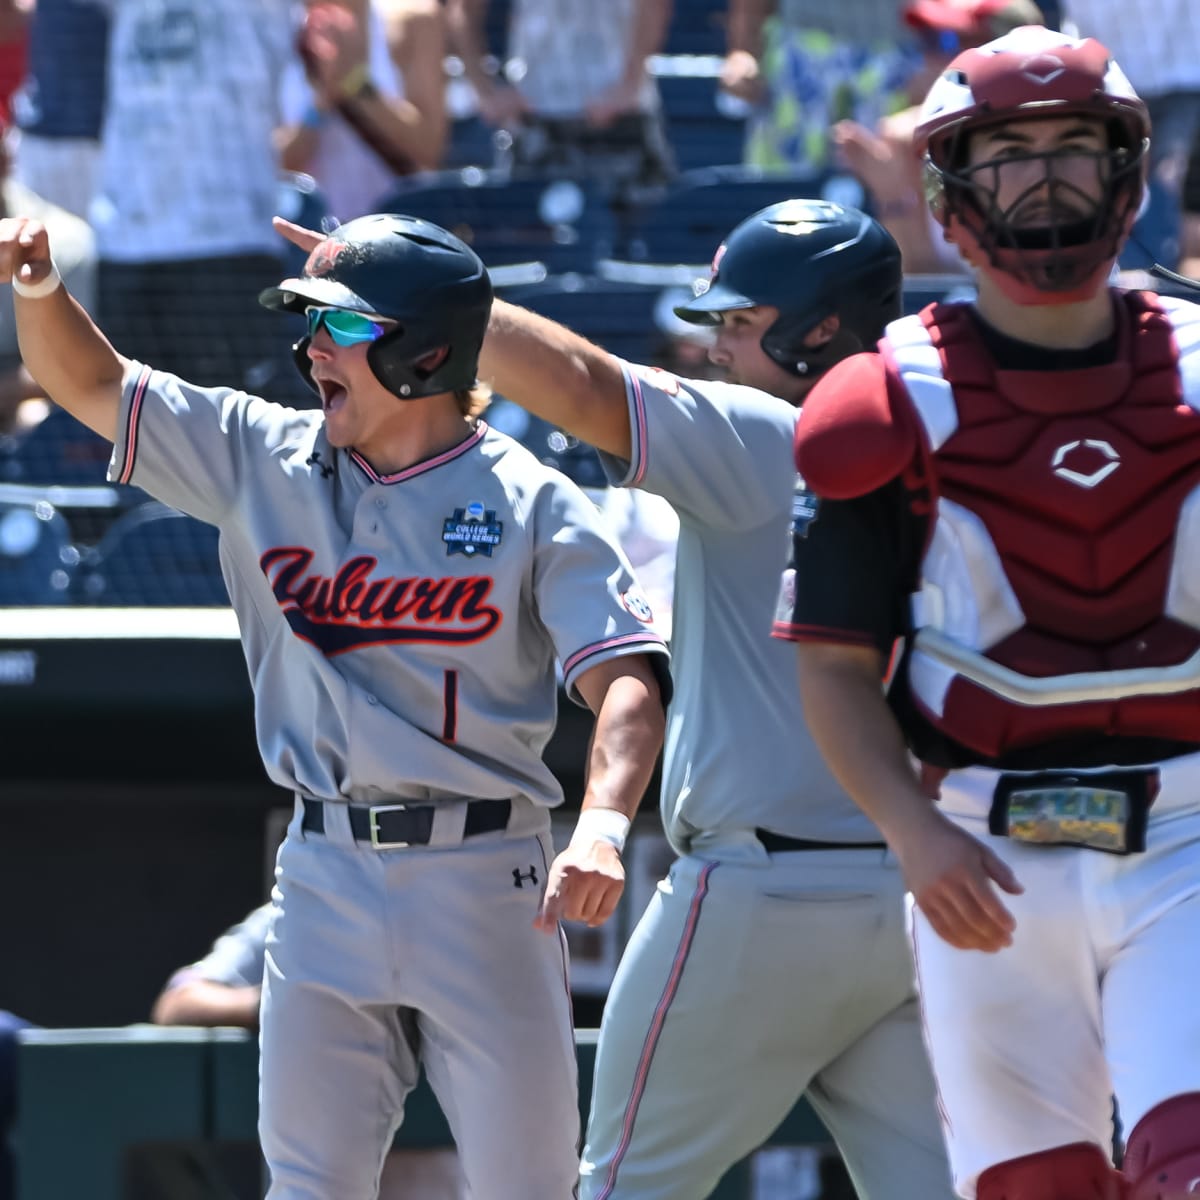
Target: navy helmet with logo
{"x":409,"y":271}
{"x":811,"y":259}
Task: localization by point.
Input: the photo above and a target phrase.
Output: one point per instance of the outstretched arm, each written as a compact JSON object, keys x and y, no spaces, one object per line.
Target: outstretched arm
{"x":544,"y":367}
{"x":587,"y":878}
{"x":64,"y":351}
{"x":558,"y":376}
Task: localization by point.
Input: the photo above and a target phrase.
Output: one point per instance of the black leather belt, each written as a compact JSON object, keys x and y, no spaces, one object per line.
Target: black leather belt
{"x":776,"y":843}
{"x":398,"y":825}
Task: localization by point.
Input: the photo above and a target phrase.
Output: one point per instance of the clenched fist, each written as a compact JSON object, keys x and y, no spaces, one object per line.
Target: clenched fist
{"x":24,"y":250}
{"x":585,"y":884}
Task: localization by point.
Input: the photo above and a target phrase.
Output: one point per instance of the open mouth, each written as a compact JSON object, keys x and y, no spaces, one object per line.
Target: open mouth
{"x":333,"y":395}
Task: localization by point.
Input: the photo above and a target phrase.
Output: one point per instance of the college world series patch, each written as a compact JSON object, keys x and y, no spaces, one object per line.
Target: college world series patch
{"x":472,"y":530}
{"x":805,"y":507}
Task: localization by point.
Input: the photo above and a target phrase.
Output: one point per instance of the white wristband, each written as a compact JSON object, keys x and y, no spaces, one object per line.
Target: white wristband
{"x":602,"y":825}
{"x":43,"y":287}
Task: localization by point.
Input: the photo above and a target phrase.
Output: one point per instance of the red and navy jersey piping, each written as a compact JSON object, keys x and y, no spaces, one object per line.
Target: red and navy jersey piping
{"x":132,"y":418}
{"x":421,"y":468}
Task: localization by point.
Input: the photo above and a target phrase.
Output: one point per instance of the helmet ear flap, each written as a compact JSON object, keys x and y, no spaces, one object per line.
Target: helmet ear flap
{"x":303,"y":362}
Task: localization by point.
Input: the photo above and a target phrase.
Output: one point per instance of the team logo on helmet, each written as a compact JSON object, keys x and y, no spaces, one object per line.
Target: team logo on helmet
{"x":324,"y":256}
{"x":1043,"y":69}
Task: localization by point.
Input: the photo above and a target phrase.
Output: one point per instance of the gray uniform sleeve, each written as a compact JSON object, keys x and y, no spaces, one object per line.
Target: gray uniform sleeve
{"x":192,"y":447}
{"x":584,"y":589}
{"x":237,"y":956}
{"x":712,"y":449}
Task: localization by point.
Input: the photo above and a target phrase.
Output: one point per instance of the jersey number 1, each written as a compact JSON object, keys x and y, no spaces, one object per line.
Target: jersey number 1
{"x":449,"y":706}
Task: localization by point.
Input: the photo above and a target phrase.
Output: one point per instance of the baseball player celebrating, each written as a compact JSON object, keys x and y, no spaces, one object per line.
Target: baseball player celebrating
{"x":404,"y":580}
{"x":1013,"y":487}
{"x":773,"y":959}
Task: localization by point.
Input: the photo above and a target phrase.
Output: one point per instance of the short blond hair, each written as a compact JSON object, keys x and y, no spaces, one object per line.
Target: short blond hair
{"x":473,"y":401}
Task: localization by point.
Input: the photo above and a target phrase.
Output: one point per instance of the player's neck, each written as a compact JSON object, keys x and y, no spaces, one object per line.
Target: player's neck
{"x":1056,"y":326}
{"x":419,"y":431}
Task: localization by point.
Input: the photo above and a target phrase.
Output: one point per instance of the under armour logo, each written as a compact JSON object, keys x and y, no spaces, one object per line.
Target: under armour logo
{"x":1091,"y":461}
{"x":314,"y":460}
{"x":519,"y":877}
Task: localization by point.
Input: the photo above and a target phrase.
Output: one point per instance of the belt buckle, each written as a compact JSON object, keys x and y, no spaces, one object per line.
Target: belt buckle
{"x":373,"y":825}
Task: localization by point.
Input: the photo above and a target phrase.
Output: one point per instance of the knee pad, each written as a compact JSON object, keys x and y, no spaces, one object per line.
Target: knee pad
{"x":1162,"y":1154}
{"x":1080,"y":1171}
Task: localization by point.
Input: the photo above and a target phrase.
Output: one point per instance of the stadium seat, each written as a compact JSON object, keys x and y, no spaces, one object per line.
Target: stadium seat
{"x":37,"y":559}
{"x":154,"y":556}
{"x":471,"y":144}
{"x":514,"y":219}
{"x":59,"y":449}
{"x":688,"y":222}
{"x":617,"y":315}
{"x":700,"y":131}
{"x":697,"y":27}
{"x":549,"y":444}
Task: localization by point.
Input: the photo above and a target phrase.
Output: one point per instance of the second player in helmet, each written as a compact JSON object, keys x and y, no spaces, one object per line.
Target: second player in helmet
{"x":810,"y":281}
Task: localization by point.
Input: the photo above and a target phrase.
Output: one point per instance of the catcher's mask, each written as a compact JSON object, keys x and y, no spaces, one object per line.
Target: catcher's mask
{"x":431,"y":290}
{"x":1029,"y":74}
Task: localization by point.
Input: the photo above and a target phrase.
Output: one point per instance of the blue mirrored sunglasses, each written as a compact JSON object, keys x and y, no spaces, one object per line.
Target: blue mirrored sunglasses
{"x":345,"y":327}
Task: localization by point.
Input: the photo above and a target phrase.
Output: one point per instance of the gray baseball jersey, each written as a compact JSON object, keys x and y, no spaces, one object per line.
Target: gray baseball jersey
{"x":401,"y":634}
{"x":737,"y":755}
{"x":756,"y":973}
{"x":400,"y":631}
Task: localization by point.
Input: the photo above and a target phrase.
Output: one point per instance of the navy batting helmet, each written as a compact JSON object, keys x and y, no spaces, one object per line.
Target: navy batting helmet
{"x":432,"y":284}
{"x":810,"y":259}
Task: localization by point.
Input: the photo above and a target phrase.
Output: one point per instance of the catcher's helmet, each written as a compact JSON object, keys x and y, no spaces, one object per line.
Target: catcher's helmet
{"x":1034,"y":73}
{"x":810,"y":259}
{"x":434,"y":286}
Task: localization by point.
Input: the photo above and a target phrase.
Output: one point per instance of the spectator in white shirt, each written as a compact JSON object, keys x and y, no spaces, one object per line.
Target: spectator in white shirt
{"x":575,"y":94}
{"x":189,"y":181}
{"x":367,"y":103}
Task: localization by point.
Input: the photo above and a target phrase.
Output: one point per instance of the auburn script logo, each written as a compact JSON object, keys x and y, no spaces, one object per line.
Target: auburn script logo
{"x":355,"y":608}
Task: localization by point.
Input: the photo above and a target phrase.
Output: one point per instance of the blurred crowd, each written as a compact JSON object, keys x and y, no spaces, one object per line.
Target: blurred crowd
{"x":158,"y":139}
